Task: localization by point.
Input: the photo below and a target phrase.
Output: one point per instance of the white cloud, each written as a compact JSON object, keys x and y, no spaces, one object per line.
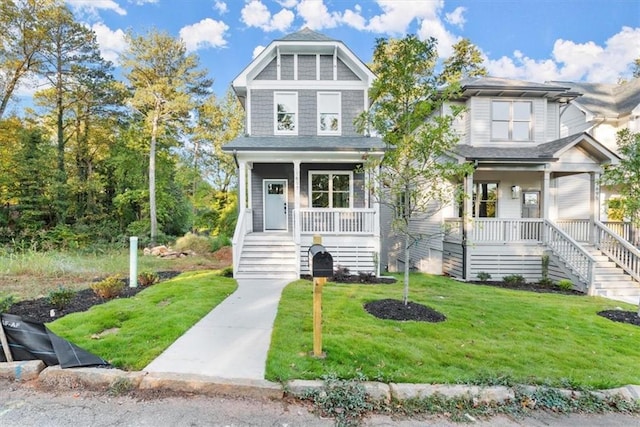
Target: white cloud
{"x":575,"y":61}
{"x":257,"y":51}
{"x":456,"y":17}
{"x":111,"y":43}
{"x":207,"y":32}
{"x":316,"y":15}
{"x":256,"y":14}
{"x":141,"y":2}
{"x":398,"y":15}
{"x":92,"y":6}
{"x":221,"y":7}
{"x":435,"y":29}
{"x":290,"y":4}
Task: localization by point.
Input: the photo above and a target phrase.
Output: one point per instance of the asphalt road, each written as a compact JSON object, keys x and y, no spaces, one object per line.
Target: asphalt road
{"x":24,"y":406}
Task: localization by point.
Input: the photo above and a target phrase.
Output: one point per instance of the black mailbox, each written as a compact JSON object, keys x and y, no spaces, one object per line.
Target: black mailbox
{"x":320,"y":261}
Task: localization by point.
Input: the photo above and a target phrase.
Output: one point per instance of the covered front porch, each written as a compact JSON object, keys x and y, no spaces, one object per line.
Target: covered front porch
{"x":293,"y":196}
{"x":511,"y":215}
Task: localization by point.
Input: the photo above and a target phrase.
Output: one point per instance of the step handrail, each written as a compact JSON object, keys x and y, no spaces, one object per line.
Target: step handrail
{"x":621,"y":252}
{"x":244,"y":226}
{"x":570,"y":252}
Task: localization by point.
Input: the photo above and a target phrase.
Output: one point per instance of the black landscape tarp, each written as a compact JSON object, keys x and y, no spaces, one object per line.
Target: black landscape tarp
{"x":34,"y":341}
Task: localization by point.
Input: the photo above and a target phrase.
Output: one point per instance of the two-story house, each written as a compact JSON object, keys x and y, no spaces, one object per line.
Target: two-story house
{"x":300,"y":160}
{"x":513,"y":214}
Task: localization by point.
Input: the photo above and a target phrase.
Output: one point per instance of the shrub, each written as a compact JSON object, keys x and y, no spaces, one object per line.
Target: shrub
{"x":227,"y":272}
{"x":344,"y":400}
{"x":483,"y":276}
{"x":367,"y":276}
{"x":545,"y":281}
{"x":341,"y":274}
{"x":60,"y":297}
{"x":565,"y":284}
{"x":148,"y":278}
{"x":514,"y":279}
{"x":108,"y":288}
{"x":6,"y":302}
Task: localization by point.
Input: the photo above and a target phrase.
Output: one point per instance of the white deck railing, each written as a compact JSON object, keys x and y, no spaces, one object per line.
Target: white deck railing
{"x":569,"y":251}
{"x":332,"y":221}
{"x":578,"y":229}
{"x":618,"y":250}
{"x":244,"y":227}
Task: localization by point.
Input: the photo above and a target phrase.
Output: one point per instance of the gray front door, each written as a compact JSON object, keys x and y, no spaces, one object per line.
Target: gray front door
{"x":275,"y":204}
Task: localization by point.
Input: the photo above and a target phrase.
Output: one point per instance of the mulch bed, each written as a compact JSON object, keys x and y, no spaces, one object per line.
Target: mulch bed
{"x":394,"y":309}
{"x":39,"y":310}
{"x":622,"y":316}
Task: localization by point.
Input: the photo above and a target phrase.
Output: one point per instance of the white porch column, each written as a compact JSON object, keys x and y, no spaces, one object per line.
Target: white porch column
{"x":546,"y":196}
{"x":242,"y":185}
{"x":376,"y":216}
{"x":594,"y":208}
{"x":249,"y":184}
{"x":467,"y":225}
{"x":296,"y":212}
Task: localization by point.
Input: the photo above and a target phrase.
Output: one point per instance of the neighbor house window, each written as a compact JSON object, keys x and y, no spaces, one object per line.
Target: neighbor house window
{"x":511,"y":120}
{"x":331,"y":189}
{"x":329,"y":113}
{"x":286,"y":113}
{"x":485,"y":199}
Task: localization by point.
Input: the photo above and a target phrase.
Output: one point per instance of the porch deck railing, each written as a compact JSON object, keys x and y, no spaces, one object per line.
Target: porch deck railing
{"x":331,"y":221}
{"x":625,"y":255}
{"x":578,"y":229}
{"x":569,"y":251}
{"x":244,"y":227}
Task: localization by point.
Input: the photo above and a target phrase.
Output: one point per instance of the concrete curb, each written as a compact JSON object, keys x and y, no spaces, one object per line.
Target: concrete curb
{"x":105,"y":379}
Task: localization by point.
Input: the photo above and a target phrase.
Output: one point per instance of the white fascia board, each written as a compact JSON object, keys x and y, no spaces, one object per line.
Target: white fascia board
{"x":594,"y":147}
{"x":307,"y":84}
{"x":307,"y":156}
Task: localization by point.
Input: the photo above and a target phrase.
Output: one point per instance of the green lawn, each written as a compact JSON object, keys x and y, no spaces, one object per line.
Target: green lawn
{"x":131,"y":332}
{"x":490,"y":335}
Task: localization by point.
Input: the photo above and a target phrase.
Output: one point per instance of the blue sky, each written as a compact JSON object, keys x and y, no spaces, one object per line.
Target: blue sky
{"x":536,"y":40}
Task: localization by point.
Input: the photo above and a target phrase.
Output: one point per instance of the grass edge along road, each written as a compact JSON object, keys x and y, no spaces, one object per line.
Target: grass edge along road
{"x":491,"y":336}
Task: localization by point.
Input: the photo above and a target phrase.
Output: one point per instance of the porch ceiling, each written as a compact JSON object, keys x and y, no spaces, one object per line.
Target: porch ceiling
{"x":306,"y":143}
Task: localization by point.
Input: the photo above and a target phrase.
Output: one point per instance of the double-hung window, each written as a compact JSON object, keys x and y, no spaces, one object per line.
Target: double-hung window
{"x":485,"y":199}
{"x":511,"y":120}
{"x":329,"y":116}
{"x":331,"y":189}
{"x":286,"y":113}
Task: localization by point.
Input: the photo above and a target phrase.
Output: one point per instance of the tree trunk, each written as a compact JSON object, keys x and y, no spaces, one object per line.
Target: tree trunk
{"x":152,"y":176}
{"x":407,"y":260}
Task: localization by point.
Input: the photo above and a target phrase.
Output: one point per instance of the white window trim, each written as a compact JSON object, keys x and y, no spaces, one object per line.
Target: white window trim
{"x":276,"y":131}
{"x":339,"y":131}
{"x":330,"y":172}
{"x":511,"y":120}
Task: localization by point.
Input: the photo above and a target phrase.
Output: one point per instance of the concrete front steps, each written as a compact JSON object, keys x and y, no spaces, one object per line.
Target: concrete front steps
{"x":610,"y":280}
{"x":267,"y":256}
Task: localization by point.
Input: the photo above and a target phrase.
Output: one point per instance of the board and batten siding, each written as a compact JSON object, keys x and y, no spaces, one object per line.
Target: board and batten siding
{"x":357,"y":253}
{"x":262,"y":111}
{"x":307,"y":68}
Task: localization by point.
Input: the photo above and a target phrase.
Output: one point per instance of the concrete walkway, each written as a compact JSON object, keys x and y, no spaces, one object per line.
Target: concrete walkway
{"x":232,"y":340}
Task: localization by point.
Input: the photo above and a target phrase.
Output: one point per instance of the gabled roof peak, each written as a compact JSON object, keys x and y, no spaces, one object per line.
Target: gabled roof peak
{"x":306,"y":35}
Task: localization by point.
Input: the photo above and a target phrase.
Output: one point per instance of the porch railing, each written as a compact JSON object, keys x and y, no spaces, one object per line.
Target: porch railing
{"x":578,"y":229}
{"x":244,"y":227}
{"x":569,"y":251}
{"x":625,"y":255}
{"x":331,"y":221}
{"x":506,"y":230}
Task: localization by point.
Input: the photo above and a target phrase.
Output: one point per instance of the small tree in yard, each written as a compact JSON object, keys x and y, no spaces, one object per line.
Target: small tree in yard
{"x":626,"y":176}
{"x":416,"y":176}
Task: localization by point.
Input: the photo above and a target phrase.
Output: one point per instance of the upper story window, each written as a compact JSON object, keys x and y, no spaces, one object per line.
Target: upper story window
{"x":331,"y":189}
{"x":511,"y":120}
{"x":329,"y":113}
{"x":286,"y":113}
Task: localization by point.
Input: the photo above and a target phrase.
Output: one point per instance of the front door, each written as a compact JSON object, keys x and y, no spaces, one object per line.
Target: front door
{"x":275,"y":204}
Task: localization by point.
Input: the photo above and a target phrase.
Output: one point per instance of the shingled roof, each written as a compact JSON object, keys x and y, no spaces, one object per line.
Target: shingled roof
{"x":607,"y":100}
{"x":305,"y":143}
{"x":306,"y":35}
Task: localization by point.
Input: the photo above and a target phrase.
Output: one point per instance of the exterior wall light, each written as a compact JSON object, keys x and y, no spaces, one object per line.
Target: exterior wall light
{"x":515,"y":191}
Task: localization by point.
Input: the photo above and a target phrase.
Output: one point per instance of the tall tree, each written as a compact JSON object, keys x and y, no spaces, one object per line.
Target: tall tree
{"x":70,"y":60}
{"x":415,"y":177}
{"x":466,"y":61}
{"x":165,"y":81}
{"x":23,"y":29}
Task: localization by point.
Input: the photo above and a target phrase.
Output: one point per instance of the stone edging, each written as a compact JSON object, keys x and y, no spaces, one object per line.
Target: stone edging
{"x":104,"y":379}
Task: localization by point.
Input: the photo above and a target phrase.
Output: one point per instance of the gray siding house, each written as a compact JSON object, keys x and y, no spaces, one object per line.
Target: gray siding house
{"x":300,"y":161}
